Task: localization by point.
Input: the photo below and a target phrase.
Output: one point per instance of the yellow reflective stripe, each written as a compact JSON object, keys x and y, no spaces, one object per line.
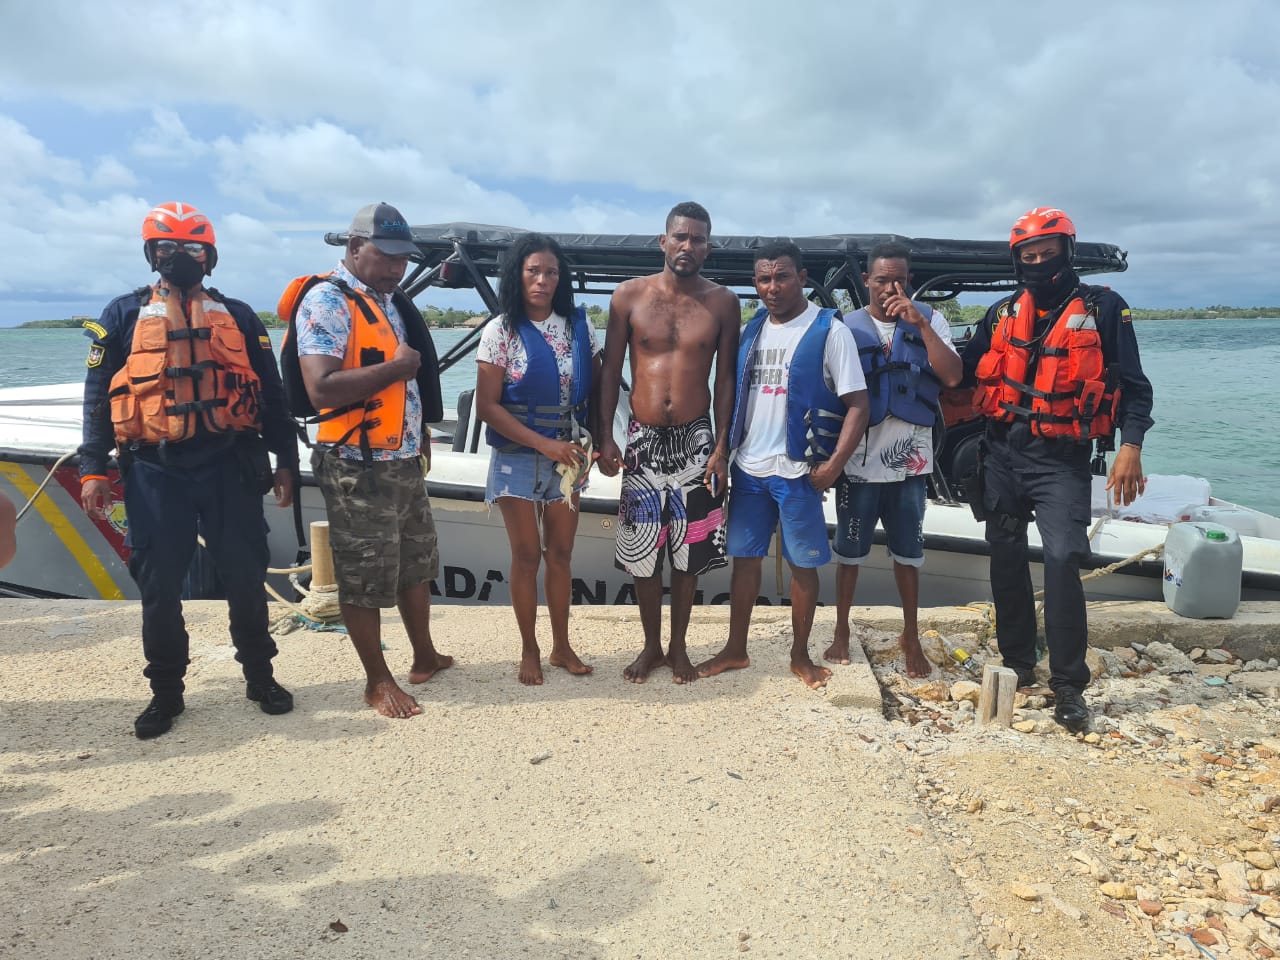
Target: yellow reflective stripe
{"x":76,"y":545}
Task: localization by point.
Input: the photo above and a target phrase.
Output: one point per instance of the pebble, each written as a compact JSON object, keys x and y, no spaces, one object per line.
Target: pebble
{"x":1024,"y":891}
{"x":1260,"y":860}
{"x":1118,"y":890}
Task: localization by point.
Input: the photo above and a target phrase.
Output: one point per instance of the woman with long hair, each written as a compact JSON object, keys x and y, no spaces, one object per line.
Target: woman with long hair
{"x":538,"y":365}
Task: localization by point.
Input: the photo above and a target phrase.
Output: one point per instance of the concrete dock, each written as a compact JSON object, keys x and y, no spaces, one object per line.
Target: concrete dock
{"x":589,"y":817}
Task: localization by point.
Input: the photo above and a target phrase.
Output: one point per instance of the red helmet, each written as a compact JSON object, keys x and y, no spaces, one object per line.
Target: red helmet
{"x":183,"y":223}
{"x":1043,"y":222}
{"x":177,"y":221}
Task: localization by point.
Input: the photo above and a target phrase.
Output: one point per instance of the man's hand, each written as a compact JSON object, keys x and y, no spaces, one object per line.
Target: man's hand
{"x":284,"y":487}
{"x":823,"y":475}
{"x":1126,"y":477}
{"x":718,"y":467}
{"x":899,"y":305}
{"x":94,"y":496}
{"x":610,"y":457}
{"x":407,"y":360}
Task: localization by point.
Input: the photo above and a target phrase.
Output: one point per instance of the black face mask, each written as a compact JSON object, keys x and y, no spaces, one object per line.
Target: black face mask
{"x":1049,"y":281}
{"x":181,"y":270}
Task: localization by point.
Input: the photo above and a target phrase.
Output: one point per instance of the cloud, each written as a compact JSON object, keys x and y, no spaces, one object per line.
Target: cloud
{"x":168,"y":140}
{"x":1150,"y":122}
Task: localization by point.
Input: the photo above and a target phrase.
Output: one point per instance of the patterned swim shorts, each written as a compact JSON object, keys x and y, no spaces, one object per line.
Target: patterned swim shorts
{"x":664,"y":507}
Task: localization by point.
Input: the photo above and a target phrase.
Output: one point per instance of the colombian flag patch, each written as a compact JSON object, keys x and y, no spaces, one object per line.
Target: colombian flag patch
{"x":265,"y":342}
{"x":1126,"y":316}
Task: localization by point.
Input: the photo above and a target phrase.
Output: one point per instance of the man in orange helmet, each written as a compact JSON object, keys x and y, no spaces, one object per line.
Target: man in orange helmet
{"x":183,"y":384}
{"x":1057,"y":368}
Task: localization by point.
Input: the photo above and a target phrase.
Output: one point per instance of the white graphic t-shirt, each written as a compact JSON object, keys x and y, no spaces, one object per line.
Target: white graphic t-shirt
{"x":763,"y":452}
{"x":894,"y":449}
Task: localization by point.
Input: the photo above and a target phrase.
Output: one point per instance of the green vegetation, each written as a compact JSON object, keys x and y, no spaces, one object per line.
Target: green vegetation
{"x":956,"y":314}
{"x":46,"y":324}
{"x":1208,"y":313}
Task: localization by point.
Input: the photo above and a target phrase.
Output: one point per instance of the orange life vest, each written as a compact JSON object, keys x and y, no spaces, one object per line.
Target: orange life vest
{"x":1071,"y":394}
{"x":379,"y":421}
{"x":184,"y":370}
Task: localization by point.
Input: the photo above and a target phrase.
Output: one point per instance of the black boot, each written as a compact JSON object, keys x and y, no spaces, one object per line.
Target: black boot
{"x":1070,"y":709}
{"x":158,"y":717}
{"x":269,"y":695}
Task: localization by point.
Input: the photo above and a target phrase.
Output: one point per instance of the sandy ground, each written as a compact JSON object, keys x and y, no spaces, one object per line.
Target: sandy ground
{"x":743,"y":814}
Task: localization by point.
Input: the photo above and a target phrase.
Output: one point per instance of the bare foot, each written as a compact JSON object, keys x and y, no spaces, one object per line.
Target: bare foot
{"x":390,"y":701}
{"x":811,"y":675}
{"x":639,"y":669}
{"x":722,"y":661}
{"x":566,"y":659}
{"x":918,"y":665}
{"x":838,"y":652}
{"x":682,"y":670}
{"x":424,"y":671}
{"x":531,"y":669}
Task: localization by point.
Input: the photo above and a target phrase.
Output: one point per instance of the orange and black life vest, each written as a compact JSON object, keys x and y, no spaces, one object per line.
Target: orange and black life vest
{"x":186,"y":370}
{"x":378,"y":422}
{"x":1071,"y":394}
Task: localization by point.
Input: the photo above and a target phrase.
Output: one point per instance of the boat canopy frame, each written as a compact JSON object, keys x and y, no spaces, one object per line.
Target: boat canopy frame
{"x":470,"y":255}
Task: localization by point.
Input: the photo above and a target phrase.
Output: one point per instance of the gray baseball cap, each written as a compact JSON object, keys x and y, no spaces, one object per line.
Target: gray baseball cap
{"x":383,"y":224}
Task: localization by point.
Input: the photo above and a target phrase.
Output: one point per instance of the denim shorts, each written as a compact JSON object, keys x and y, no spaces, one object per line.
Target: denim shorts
{"x":899,"y":506}
{"x":756,"y":504}
{"x":525,"y":475}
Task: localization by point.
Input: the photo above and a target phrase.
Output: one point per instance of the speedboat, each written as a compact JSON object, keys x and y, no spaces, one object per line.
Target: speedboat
{"x":64,"y":553}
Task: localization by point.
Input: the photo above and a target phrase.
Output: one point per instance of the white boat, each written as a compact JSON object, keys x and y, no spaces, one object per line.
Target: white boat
{"x":63,"y":553}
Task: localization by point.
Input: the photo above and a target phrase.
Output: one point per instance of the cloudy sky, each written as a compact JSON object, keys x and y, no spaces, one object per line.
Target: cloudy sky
{"x":1154,"y":124}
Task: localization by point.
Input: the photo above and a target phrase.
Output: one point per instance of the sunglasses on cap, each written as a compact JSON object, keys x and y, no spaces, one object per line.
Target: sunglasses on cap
{"x":167,"y":248}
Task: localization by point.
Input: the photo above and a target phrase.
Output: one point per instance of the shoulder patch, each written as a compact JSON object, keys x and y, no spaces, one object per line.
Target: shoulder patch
{"x":1126,"y":316}
{"x":264,"y":342}
{"x":97,"y":329}
{"x":96,"y":353}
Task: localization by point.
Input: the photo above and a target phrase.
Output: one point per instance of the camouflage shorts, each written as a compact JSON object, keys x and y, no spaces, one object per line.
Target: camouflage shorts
{"x":383,"y":537}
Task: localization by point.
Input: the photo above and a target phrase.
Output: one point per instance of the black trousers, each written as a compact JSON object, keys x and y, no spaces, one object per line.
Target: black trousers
{"x":166,"y":507}
{"x":1059,"y":503}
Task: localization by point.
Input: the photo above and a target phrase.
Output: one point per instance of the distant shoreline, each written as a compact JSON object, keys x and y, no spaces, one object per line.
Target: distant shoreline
{"x":1140,"y":316}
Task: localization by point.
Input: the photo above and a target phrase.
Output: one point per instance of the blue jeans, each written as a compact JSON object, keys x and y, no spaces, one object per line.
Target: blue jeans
{"x":899,"y":506}
{"x":757,"y":504}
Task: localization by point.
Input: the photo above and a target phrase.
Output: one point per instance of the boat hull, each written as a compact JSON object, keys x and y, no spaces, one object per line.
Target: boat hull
{"x":62,"y":553}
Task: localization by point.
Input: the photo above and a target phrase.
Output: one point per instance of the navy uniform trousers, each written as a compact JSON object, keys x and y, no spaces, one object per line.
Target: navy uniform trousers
{"x":1059,"y":503}
{"x":166,"y":507}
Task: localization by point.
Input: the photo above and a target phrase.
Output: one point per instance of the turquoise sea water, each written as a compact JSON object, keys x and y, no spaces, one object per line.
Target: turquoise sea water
{"x":1215,"y":387}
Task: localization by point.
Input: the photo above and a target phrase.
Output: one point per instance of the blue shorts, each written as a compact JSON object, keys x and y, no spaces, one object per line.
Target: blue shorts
{"x":757,"y":503}
{"x":524,"y":474}
{"x":899,"y":506}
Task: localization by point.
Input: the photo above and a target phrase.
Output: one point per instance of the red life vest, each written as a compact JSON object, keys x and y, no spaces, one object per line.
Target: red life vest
{"x":184,"y":369}
{"x":1071,"y":394}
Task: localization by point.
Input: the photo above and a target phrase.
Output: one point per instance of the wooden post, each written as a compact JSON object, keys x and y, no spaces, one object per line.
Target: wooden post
{"x":321,"y":557}
{"x":995,"y":704}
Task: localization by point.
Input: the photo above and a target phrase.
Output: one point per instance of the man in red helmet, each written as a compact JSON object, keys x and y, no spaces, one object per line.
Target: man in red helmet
{"x":1057,"y":368}
{"x":183,"y":384}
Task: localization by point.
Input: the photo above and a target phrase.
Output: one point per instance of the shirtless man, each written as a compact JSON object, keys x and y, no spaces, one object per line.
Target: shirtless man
{"x":676,"y":466}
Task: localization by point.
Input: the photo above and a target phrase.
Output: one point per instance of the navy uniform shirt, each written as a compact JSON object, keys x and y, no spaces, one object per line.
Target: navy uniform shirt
{"x":1015,"y":444}
{"x":112,"y":338}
